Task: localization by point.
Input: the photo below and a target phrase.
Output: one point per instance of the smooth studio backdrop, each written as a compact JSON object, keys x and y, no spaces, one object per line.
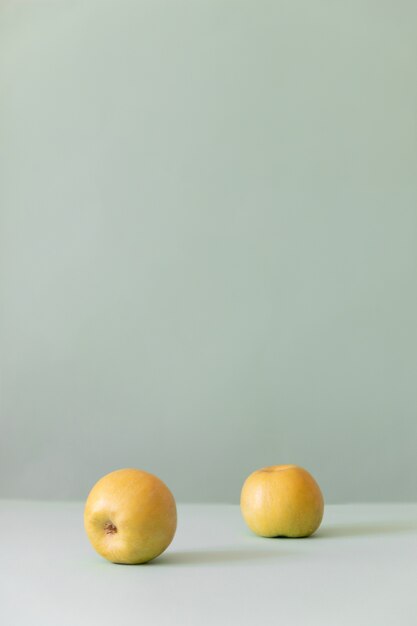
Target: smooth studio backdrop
{"x":208,"y":244}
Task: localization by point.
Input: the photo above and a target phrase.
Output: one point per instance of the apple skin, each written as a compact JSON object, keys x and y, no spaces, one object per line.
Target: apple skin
{"x":130,"y":516}
{"x":282,"y":501}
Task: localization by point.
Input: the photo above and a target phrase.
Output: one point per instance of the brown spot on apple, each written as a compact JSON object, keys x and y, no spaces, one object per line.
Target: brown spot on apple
{"x":110,"y":528}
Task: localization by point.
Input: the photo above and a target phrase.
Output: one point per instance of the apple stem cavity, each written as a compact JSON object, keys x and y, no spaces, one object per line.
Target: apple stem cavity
{"x":109,"y":528}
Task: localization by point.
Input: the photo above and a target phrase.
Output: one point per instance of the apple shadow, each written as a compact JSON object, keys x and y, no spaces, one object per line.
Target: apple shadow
{"x":364,"y":529}
{"x":214,"y":557}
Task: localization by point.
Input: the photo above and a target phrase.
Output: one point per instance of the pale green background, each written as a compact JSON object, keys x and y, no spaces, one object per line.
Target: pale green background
{"x":208,"y":244}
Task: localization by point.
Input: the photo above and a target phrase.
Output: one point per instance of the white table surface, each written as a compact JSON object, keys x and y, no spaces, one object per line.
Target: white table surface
{"x":359,"y":569}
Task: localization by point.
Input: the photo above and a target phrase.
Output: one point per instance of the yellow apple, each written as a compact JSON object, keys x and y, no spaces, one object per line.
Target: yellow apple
{"x":130,"y":516}
{"x":282,"y":501}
